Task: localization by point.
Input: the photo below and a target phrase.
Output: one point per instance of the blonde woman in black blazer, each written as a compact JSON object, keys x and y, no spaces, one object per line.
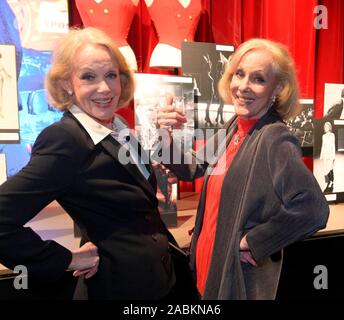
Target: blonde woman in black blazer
{"x":76,"y":162}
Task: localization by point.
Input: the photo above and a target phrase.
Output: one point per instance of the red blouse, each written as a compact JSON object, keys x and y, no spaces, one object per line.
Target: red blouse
{"x":174,"y":23}
{"x":112,"y":16}
{"x":206,"y":238}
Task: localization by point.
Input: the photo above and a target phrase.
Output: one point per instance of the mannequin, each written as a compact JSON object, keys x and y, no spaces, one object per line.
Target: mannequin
{"x":175,"y":21}
{"x":114,"y":17}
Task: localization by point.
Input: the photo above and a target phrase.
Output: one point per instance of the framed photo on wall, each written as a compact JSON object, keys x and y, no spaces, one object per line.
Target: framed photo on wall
{"x":3,"y":169}
{"x":33,"y":27}
{"x":150,"y":94}
{"x":302,"y":126}
{"x":328,"y":159}
{"x":205,"y":63}
{"x":9,"y":117}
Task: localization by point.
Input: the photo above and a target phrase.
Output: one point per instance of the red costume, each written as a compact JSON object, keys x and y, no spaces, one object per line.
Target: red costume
{"x":112,"y":16}
{"x":173,"y":22}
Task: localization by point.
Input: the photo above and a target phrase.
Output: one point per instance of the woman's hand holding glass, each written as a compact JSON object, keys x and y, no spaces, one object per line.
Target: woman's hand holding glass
{"x":169,"y":116}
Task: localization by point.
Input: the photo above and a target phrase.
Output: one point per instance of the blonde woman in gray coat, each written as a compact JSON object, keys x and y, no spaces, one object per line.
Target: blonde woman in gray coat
{"x":258,"y":196}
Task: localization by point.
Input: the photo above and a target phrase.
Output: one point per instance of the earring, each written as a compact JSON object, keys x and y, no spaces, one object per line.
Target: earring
{"x":70,"y":92}
{"x":273,"y":99}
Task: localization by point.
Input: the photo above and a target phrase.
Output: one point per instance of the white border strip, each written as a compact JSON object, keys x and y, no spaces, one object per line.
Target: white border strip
{"x":306,"y":101}
{"x":4,"y":136}
{"x":220,"y":47}
{"x":331,"y":197}
{"x":180,"y":79}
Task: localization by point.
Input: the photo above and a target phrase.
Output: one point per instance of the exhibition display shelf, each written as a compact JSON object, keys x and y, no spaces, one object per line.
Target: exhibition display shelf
{"x":54,"y":223}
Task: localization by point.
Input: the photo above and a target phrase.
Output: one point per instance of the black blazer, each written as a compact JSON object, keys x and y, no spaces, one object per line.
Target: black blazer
{"x":113,"y":204}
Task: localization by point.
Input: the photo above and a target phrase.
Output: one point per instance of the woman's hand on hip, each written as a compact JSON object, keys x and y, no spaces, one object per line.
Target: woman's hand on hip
{"x":85,"y":261}
{"x":245,"y":253}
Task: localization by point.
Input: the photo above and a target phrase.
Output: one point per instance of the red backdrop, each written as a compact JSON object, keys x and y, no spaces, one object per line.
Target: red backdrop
{"x":318,"y":53}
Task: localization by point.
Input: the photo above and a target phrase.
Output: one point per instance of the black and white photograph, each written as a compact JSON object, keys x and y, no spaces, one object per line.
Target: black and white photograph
{"x":150,"y":94}
{"x":328,"y":166}
{"x":3,"y":169}
{"x":9,"y":118}
{"x":205,"y":62}
{"x":302,"y":126}
{"x":334,"y":101}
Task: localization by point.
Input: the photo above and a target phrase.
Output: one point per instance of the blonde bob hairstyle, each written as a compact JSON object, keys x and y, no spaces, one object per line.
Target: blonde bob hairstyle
{"x":63,"y":60}
{"x":287,"y":101}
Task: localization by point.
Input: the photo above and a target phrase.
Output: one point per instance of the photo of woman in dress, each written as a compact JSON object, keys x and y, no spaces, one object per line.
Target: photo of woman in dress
{"x":327,"y":155}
